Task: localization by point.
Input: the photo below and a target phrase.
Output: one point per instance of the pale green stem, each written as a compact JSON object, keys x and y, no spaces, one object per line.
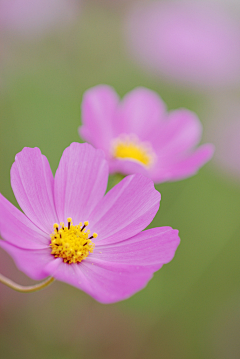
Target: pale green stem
{"x":25,"y":289}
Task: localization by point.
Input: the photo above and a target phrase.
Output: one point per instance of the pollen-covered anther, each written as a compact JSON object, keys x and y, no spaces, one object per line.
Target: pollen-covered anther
{"x":129,"y":147}
{"x":71,"y":243}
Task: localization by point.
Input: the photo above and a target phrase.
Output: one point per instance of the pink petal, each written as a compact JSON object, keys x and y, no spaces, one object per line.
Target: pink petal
{"x":125,"y":210}
{"x":68,"y":273}
{"x":98,"y":111}
{"x":29,"y":261}
{"x":32,"y":184}
{"x":182,"y":131}
{"x":140,"y":111}
{"x":190,"y":165}
{"x":106,"y":286}
{"x":151,"y":248}
{"x":127,"y":167}
{"x":17,"y":229}
{"x":80,"y":182}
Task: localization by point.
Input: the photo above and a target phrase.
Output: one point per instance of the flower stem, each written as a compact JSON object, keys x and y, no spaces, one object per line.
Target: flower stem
{"x":25,"y":289}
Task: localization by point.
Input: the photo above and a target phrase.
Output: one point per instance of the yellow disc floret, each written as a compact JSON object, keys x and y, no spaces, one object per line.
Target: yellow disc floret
{"x":71,"y":243}
{"x":128,"y":147}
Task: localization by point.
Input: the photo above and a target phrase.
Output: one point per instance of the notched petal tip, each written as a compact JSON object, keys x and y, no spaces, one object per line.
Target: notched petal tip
{"x":32,"y":184}
{"x":85,"y":147}
{"x":27,"y":151}
{"x":146,"y":181}
{"x":80,"y":181}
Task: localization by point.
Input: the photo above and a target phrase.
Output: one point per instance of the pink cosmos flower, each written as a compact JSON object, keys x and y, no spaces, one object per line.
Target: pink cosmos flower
{"x":194,"y":43}
{"x":111,"y":260}
{"x":138,"y":136}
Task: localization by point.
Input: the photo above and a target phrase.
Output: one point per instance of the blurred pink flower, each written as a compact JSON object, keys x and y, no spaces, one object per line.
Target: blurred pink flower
{"x":30,"y":18}
{"x":122,"y":258}
{"x":194,"y":43}
{"x":138,"y":136}
{"x":224,"y":131}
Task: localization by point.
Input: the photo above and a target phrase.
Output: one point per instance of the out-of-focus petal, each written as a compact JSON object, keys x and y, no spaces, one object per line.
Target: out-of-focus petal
{"x":99,"y":108}
{"x":32,"y":183}
{"x":30,"y":261}
{"x":125,"y":210}
{"x":80,"y":182}
{"x":127,"y":166}
{"x":17,"y":229}
{"x":191,"y":164}
{"x":182,"y":131}
{"x":139,"y":112}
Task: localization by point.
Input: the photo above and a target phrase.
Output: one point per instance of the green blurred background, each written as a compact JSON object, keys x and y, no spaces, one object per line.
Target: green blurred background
{"x":191,"y":307}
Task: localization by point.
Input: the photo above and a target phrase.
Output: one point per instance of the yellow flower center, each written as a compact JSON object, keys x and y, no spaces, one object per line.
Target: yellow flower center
{"x":72,"y":243}
{"x":128,"y":147}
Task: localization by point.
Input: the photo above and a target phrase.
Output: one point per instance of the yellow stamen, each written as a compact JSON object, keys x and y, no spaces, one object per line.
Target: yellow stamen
{"x":71,"y":243}
{"x":128,"y":147}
